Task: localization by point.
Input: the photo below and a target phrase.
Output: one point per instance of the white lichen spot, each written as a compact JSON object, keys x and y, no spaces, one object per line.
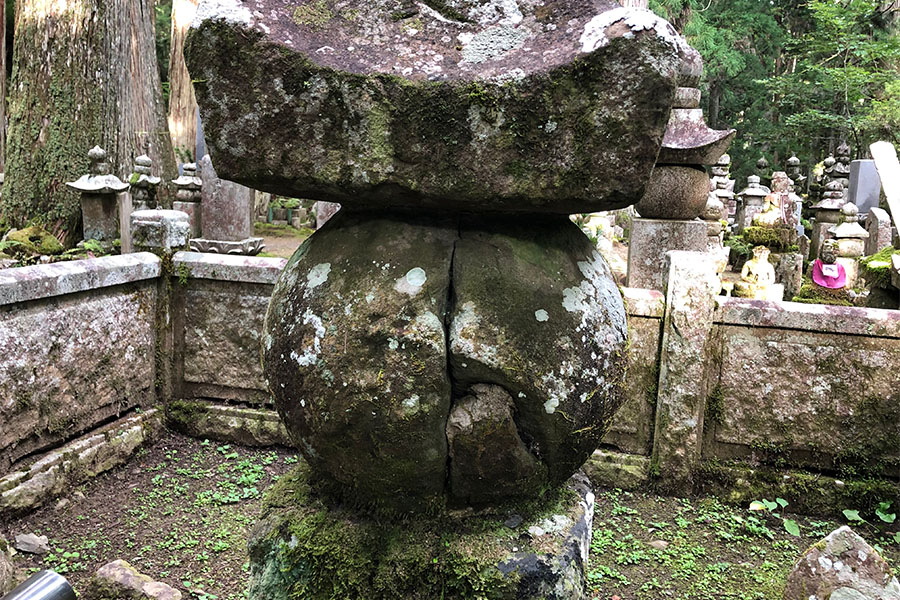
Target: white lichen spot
{"x":411,"y":284}
{"x":369,"y":297}
{"x":541,"y":315}
{"x":636,"y":19}
{"x":318,"y":275}
{"x":411,"y":404}
{"x":311,"y":352}
{"x":229,"y":11}
{"x":494,"y":43}
{"x":393,"y":344}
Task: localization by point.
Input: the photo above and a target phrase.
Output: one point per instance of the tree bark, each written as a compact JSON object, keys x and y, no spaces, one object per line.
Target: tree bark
{"x":2,"y":85}
{"x":182,"y":102}
{"x":84,"y":74}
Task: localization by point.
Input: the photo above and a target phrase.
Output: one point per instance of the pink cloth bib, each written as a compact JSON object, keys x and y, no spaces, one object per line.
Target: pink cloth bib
{"x":833,"y":277}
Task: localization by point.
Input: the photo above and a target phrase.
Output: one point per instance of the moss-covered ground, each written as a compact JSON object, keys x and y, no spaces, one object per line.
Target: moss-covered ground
{"x":181,"y":511}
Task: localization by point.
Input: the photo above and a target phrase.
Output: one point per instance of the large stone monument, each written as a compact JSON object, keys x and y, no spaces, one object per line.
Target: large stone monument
{"x":226,"y":215}
{"x":449,"y":345}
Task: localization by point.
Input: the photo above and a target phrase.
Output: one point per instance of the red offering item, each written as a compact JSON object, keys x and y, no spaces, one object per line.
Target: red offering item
{"x":833,"y":277}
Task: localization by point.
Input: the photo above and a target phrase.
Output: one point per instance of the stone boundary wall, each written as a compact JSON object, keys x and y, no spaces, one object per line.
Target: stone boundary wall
{"x":218,"y":308}
{"x":77,"y":349}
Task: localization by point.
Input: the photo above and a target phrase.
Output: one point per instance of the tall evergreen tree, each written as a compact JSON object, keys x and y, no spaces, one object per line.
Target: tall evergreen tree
{"x":84,"y":73}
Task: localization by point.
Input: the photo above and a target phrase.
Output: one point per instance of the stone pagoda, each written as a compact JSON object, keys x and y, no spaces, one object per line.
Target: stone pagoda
{"x":450,"y":342}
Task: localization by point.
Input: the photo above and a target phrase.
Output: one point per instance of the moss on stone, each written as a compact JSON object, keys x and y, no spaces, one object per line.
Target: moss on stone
{"x":876,"y":269}
{"x":776,"y":238}
{"x":322,"y":550}
{"x":810,"y":293}
{"x":715,"y":406}
{"x":182,"y":415}
{"x":313,"y":14}
{"x":34,"y":240}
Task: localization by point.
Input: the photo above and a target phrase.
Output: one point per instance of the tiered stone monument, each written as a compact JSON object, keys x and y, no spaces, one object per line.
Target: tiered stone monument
{"x":450,"y":342}
{"x":677,"y":193}
{"x":227,"y":215}
{"x":188,"y":194}
{"x":827,"y":215}
{"x":750,"y":203}
{"x":722,"y":185}
{"x":99,"y":199}
{"x":143,"y":184}
{"x":851,"y":242}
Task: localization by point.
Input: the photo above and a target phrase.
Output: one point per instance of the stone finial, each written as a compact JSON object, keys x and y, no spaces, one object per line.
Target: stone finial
{"x":188,"y":184}
{"x":143,"y":183}
{"x":762,"y":164}
{"x":793,"y":162}
{"x":98,"y":181}
{"x":843,"y":153}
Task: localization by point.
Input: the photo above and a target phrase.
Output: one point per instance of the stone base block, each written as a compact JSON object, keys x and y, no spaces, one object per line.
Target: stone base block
{"x":304,"y":548}
{"x":73,"y":464}
{"x":651,"y":239}
{"x":618,"y":470}
{"x":245,"y":426}
{"x":248,"y":247}
{"x":160,"y":230}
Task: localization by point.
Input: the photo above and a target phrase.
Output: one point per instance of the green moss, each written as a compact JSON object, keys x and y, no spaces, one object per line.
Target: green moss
{"x":715,"y":406}
{"x":313,"y":14}
{"x":776,"y":238}
{"x":181,"y":415}
{"x":876,"y":269}
{"x":33,"y":240}
{"x":324,"y":551}
{"x":807,"y":492}
{"x":810,"y":293}
{"x":740,"y":248}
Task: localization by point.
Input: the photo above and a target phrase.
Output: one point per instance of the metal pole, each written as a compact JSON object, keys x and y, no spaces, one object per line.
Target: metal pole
{"x":44,"y":585}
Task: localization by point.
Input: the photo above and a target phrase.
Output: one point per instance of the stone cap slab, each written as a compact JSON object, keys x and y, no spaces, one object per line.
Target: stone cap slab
{"x":58,"y":279}
{"x":644,"y":303}
{"x":817,"y":318}
{"x":492,"y":106}
{"x":242,"y":269}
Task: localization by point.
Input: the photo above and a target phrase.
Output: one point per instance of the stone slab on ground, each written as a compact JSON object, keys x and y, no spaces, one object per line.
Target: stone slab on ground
{"x":246,"y":426}
{"x":118,"y":580}
{"x":32,"y":544}
{"x":303,"y":548}
{"x":60,"y":470}
{"x":500,"y":106}
{"x":651,"y":239}
{"x":842,"y":567}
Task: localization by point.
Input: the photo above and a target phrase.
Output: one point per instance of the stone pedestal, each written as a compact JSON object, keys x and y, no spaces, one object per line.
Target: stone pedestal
{"x":100,"y":217}
{"x":160,"y":231}
{"x":306,"y":548}
{"x":651,"y":239}
{"x":226,"y":215}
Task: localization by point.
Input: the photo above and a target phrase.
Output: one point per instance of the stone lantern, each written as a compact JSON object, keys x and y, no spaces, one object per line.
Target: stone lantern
{"x":99,"y":192}
{"x":750,"y":203}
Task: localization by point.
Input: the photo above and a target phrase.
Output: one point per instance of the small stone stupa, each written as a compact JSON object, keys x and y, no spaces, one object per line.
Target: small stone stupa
{"x":449,"y":345}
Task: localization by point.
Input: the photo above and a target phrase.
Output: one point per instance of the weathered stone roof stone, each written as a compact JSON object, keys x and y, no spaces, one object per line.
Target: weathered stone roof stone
{"x":456,"y":105}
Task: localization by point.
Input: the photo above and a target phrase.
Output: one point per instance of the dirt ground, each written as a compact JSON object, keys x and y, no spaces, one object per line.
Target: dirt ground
{"x":281,"y":240}
{"x":180,"y":512}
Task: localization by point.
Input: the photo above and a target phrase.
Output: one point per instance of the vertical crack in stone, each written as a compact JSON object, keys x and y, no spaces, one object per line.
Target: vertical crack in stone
{"x":448,"y":316}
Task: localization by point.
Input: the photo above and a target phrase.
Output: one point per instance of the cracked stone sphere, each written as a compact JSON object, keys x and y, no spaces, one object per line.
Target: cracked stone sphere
{"x":418,"y":359}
